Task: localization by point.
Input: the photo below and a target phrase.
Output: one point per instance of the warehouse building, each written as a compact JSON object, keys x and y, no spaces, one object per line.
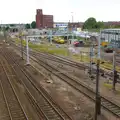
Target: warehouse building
{"x":112,"y":36}
{"x":43,"y":21}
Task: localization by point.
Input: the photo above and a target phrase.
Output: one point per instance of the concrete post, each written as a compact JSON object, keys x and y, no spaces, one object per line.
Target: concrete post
{"x":27,"y":48}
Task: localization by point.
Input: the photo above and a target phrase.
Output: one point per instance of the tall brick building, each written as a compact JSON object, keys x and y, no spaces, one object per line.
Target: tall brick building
{"x":43,"y":21}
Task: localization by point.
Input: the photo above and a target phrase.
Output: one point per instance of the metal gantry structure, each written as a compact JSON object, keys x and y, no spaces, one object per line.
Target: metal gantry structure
{"x":113,"y":37}
{"x":35,"y":37}
{"x":98,"y":98}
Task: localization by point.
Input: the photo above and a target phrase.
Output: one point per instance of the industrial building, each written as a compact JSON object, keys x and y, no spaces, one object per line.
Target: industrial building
{"x":68,"y":25}
{"x":112,"y":36}
{"x":43,"y":21}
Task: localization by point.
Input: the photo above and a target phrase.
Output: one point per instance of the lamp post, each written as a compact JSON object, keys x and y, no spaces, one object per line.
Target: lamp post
{"x":72,"y":16}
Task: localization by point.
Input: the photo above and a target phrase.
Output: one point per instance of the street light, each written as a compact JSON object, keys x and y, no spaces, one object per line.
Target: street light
{"x":72,"y":16}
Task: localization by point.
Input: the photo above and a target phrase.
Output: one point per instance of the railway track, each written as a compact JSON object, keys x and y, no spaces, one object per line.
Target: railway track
{"x":85,"y":89}
{"x":14,"y":109}
{"x":69,"y":62}
{"x":107,"y":104}
{"x":37,"y":94}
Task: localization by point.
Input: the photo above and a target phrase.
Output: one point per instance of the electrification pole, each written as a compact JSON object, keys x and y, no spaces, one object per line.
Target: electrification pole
{"x":72,"y":26}
{"x":20,"y":36}
{"x":51,"y":37}
{"x":90,"y":71}
{"x":99,"y":45}
{"x":27,"y":48}
{"x":98,"y":97}
{"x":114,"y":70}
{"x":21,"y":47}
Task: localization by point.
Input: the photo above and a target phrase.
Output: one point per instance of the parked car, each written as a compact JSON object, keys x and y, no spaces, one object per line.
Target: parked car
{"x":78,"y":43}
{"x":108,"y":49}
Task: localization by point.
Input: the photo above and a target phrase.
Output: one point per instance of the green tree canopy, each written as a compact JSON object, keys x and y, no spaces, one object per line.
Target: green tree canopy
{"x":90,"y":23}
{"x":7,"y":28}
{"x":33,"y":24}
{"x":27,"y":26}
{"x":12,"y":25}
{"x":99,"y":25}
{"x":117,"y":26}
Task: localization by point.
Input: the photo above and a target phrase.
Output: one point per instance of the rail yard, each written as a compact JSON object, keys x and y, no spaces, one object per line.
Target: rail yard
{"x":50,"y":88}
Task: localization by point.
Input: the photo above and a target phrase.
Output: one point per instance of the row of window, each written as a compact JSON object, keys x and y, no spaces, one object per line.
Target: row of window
{"x":61,"y":25}
{"x":113,"y":33}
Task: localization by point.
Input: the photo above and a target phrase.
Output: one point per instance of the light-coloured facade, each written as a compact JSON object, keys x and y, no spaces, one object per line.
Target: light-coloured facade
{"x":112,"y":36}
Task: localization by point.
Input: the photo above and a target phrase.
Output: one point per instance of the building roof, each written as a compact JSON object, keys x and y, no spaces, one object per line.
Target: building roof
{"x":111,"y":31}
{"x":115,"y":29}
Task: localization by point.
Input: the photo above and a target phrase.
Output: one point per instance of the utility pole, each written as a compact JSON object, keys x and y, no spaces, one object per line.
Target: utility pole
{"x":21,"y":47}
{"x":27,"y":48}
{"x":72,"y":16}
{"x":51,"y":37}
{"x":72,"y":26}
{"x":20,"y":36}
{"x":90,"y":71}
{"x":98,"y":98}
{"x":114,"y":70}
{"x":99,"y":45}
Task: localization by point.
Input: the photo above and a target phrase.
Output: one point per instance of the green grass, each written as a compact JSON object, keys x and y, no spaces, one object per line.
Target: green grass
{"x":46,"y":48}
{"x":52,"y":49}
{"x":108,"y":85}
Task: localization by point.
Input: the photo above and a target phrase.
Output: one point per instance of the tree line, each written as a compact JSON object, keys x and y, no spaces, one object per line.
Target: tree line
{"x":32,"y":25}
{"x":27,"y":26}
{"x":91,"y":23}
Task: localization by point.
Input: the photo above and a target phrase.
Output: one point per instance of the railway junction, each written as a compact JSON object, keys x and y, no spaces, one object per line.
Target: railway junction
{"x":50,"y":87}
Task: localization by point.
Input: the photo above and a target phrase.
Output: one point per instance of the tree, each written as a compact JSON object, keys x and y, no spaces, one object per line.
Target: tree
{"x":117,"y":26}
{"x":27,"y":26}
{"x":6,"y":28}
{"x":99,"y":25}
{"x":33,"y":24}
{"x":12,"y":25}
{"x":90,"y":23}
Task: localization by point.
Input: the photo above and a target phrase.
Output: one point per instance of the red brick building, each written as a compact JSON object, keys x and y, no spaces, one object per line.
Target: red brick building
{"x":43,"y":21}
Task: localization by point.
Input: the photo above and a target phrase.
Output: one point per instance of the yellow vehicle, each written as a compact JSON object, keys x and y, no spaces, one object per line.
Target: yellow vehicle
{"x":58,"y":40}
{"x":61,"y":41}
{"x":54,"y":39}
{"x":104,"y":44}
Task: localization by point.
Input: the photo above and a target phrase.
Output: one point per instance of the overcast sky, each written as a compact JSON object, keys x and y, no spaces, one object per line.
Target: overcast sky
{"x":23,"y":11}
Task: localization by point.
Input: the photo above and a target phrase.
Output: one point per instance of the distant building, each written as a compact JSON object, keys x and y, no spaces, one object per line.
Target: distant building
{"x":112,"y":36}
{"x":60,"y":24}
{"x":75,"y":25}
{"x":68,"y":25}
{"x":43,"y":21}
{"x":112,"y":23}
